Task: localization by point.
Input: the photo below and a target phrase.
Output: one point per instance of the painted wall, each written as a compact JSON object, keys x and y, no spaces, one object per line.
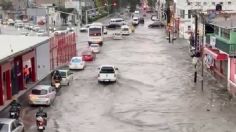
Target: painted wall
{"x":233,"y":37}
{"x":233,"y":70}
{"x":42,"y":61}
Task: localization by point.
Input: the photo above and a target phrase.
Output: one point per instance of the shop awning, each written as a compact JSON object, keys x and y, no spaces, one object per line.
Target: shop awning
{"x":216,"y":54}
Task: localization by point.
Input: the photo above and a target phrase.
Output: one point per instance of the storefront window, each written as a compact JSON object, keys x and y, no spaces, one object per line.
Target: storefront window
{"x":216,"y":30}
{"x":225,"y":33}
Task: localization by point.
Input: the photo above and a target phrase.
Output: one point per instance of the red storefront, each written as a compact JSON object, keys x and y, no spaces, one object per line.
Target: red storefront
{"x":216,"y":61}
{"x":12,"y":78}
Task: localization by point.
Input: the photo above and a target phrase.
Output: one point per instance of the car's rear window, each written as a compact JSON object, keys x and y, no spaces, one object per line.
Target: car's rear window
{"x":125,"y":29}
{"x":76,"y":60}
{"x":107,"y":70}
{"x":39,"y":92}
{"x":63,"y":74}
{"x":94,"y":45}
{"x":3,"y":127}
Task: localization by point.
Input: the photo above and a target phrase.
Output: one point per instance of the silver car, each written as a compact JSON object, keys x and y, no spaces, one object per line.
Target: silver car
{"x":42,"y":95}
{"x":67,"y":77}
{"x":11,"y":125}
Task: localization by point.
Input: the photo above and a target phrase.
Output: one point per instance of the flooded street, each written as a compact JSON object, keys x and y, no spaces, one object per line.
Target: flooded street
{"x":154,"y":92}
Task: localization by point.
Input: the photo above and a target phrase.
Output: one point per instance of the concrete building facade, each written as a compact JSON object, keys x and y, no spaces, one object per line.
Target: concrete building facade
{"x":186,"y":8}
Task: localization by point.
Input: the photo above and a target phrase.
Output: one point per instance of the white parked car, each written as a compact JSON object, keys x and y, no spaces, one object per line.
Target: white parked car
{"x":84,"y":28}
{"x":117,"y":36}
{"x":135,"y":21}
{"x":41,"y":32}
{"x":67,"y":77}
{"x":95,"y":48}
{"x":11,"y":125}
{"x":76,"y":63}
{"x":125,"y":30}
{"x":36,"y":28}
{"x":107,"y":73}
{"x":60,"y":32}
{"x":42,"y":95}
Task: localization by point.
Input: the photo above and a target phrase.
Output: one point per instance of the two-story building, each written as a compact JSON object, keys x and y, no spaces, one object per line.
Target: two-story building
{"x":186,"y":8}
{"x":220,"y":50}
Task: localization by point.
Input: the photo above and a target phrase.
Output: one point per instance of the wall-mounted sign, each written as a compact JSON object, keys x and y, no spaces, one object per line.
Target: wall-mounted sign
{"x":212,"y":41}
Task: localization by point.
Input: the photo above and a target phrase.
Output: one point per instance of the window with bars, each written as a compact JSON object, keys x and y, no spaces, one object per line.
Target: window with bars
{"x":190,"y":12}
{"x":182,"y":13}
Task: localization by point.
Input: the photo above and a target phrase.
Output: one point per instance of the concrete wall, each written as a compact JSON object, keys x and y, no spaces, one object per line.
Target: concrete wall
{"x":42,"y":60}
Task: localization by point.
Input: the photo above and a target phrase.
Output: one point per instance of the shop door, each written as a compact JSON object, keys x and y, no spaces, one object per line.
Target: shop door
{"x":14,"y":81}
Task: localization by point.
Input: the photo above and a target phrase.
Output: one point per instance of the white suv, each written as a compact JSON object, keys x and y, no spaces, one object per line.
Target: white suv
{"x":107,"y":73}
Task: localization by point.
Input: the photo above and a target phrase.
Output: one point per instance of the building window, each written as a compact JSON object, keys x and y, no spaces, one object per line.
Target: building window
{"x":190,"y":12}
{"x":182,"y":13}
{"x":213,"y":3}
{"x":198,"y":3}
{"x":190,"y":3}
{"x":204,"y":3}
{"x":229,"y":2}
{"x":216,"y":30}
{"x":225,"y":33}
{"x":221,"y":3}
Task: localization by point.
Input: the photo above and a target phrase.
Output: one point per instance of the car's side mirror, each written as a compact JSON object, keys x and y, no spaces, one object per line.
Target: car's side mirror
{"x":98,"y":68}
{"x":116,"y":68}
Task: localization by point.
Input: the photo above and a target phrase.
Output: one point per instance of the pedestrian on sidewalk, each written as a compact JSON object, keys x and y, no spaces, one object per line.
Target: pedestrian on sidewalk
{"x":26,"y":74}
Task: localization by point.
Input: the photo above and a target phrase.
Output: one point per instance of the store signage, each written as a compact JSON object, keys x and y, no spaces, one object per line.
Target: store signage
{"x":212,"y":41}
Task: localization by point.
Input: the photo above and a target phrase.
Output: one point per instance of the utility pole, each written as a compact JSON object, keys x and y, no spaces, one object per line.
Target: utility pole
{"x":202,"y":47}
{"x":168,"y":18}
{"x":196,"y":46}
{"x":47,"y":20}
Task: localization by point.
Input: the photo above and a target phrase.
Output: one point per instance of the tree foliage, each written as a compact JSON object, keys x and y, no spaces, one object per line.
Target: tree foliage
{"x":151,"y":3}
{"x":64,"y":12}
{"x":6,"y":5}
{"x":119,"y":3}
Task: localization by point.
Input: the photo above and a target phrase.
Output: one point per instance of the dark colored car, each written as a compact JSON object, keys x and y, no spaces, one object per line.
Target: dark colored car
{"x":157,"y":24}
{"x":141,"y":20}
{"x":88,"y":55}
{"x":113,"y":26}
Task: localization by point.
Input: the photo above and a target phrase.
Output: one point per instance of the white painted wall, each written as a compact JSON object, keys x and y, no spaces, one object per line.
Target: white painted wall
{"x":204,"y":5}
{"x":43,"y":60}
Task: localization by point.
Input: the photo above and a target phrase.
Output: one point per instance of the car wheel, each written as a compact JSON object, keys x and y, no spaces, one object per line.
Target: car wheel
{"x":23,"y":130}
{"x":68,"y":84}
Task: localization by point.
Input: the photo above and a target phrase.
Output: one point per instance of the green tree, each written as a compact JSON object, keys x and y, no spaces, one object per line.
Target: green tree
{"x":133,"y":4}
{"x":151,"y":3}
{"x":6,"y":5}
{"x":64,"y":12}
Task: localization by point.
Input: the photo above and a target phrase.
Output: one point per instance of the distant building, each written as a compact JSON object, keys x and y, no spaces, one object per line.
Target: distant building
{"x":186,"y":8}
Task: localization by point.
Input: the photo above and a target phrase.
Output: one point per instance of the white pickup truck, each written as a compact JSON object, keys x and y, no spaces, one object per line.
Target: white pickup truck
{"x":107,"y":73}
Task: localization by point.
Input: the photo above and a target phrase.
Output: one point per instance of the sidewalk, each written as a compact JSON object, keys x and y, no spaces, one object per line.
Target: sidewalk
{"x":214,"y":89}
{"x":21,"y":93}
{"x":28,"y":87}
